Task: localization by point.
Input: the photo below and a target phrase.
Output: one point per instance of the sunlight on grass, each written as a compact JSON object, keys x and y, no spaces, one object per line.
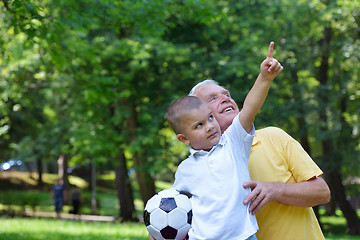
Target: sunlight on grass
{"x":162,"y":185}
{"x":41,"y":229}
{"x":107,"y":177}
{"x":139,"y":206}
{"x":48,"y":178}
{"x":81,"y":183}
{"x":23,"y":176}
{"x":334,"y":227}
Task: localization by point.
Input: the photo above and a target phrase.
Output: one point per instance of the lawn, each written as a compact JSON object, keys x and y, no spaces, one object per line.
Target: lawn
{"x":107,"y":202}
{"x":334,"y":227}
{"x":53,"y":229}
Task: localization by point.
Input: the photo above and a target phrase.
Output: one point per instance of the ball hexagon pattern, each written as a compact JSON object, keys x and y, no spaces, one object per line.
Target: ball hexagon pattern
{"x":168,"y":215}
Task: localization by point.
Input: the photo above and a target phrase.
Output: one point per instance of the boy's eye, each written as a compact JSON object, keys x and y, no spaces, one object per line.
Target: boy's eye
{"x":198,"y":126}
{"x":211,"y":117}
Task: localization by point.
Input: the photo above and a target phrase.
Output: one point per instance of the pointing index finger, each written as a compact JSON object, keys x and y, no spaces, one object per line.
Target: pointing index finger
{"x":271,"y":49}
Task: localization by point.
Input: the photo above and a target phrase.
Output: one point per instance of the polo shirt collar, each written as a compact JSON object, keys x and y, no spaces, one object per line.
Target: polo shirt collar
{"x":199,"y":153}
{"x":255,"y":140}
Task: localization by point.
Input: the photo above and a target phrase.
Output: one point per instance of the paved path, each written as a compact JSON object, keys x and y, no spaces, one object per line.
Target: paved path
{"x":72,"y":216}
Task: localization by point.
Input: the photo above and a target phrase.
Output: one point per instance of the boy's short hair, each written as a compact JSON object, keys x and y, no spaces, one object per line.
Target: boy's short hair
{"x":179,"y":108}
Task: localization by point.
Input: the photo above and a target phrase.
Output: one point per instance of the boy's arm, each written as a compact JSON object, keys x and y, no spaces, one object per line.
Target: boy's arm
{"x":269,"y":69}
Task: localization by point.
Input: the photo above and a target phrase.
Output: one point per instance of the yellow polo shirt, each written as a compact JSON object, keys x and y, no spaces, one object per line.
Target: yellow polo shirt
{"x":277,"y":157}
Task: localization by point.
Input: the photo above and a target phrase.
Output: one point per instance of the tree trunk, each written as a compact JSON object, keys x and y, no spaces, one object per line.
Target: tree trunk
{"x":62,"y":168}
{"x":349,"y":212}
{"x":40,"y":172}
{"x":122,"y":181}
{"x":63,"y":174}
{"x":124,"y":191}
{"x":28,"y":167}
{"x":329,"y":153}
{"x":331,"y":206}
{"x":93,"y":188}
{"x":337,"y":187}
{"x":143,"y":177}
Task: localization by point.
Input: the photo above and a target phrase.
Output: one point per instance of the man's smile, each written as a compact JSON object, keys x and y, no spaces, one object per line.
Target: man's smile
{"x":227,"y":109}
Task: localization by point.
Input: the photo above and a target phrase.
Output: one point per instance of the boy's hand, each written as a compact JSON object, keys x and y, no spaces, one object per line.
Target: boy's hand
{"x":270,"y":67}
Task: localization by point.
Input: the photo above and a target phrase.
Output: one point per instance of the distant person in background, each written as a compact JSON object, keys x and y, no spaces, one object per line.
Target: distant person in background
{"x":75,"y":199}
{"x":58,"y":195}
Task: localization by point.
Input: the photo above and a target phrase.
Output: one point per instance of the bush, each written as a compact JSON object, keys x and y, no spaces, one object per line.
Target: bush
{"x":13,"y":199}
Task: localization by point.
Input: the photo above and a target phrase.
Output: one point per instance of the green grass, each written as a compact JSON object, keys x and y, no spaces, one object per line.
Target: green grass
{"x":334,"y":227}
{"x":108,"y":204}
{"x":52,"y":229}
{"x":342,"y":237}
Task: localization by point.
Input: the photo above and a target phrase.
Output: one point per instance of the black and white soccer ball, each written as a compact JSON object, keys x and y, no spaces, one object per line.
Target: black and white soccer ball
{"x":168,"y":215}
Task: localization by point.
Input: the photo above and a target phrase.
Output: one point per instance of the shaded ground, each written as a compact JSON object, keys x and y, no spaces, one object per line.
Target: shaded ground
{"x":21,"y":181}
{"x":72,"y":216}
{"x":16,"y":180}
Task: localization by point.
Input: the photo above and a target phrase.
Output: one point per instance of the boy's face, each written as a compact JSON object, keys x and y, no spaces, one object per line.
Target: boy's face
{"x":200,"y":129}
{"x":220,"y":102}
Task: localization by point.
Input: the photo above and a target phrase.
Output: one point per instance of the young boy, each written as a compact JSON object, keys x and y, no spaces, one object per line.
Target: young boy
{"x":212,"y":174}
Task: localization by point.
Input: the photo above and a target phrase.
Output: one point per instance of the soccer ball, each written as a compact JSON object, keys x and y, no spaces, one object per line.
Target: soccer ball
{"x":168,"y":215}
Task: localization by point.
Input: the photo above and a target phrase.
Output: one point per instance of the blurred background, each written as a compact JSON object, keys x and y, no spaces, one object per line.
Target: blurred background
{"x":85,"y":85}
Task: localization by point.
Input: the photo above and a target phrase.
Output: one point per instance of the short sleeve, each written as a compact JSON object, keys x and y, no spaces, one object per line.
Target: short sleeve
{"x":300,"y":163}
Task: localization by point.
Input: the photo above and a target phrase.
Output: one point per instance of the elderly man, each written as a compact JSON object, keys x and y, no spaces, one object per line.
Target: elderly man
{"x":286,"y":182}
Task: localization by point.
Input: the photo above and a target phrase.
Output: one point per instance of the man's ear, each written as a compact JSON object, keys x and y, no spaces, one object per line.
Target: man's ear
{"x":182,"y":138}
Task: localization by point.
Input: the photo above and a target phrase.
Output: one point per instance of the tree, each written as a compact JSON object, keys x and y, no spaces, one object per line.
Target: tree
{"x":91,"y":80}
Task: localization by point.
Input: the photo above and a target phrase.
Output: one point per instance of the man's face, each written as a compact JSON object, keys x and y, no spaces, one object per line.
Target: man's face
{"x":200,"y":129}
{"x":220,"y":102}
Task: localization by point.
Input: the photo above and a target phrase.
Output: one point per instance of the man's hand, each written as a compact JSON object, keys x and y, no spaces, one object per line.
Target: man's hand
{"x":309,"y":193}
{"x":270,"y":67}
{"x":261,"y":194}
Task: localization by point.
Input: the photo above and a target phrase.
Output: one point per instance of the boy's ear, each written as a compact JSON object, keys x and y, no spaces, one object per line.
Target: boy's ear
{"x":181,"y":137}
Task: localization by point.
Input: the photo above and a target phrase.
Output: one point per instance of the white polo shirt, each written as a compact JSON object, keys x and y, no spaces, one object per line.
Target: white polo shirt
{"x":215,"y":181}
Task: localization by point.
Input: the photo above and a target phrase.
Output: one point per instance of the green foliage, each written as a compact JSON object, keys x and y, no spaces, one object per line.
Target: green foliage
{"x":93,"y":79}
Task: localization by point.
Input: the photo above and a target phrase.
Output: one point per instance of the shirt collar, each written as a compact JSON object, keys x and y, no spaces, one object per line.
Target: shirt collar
{"x":198,"y":153}
{"x":255,"y":140}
